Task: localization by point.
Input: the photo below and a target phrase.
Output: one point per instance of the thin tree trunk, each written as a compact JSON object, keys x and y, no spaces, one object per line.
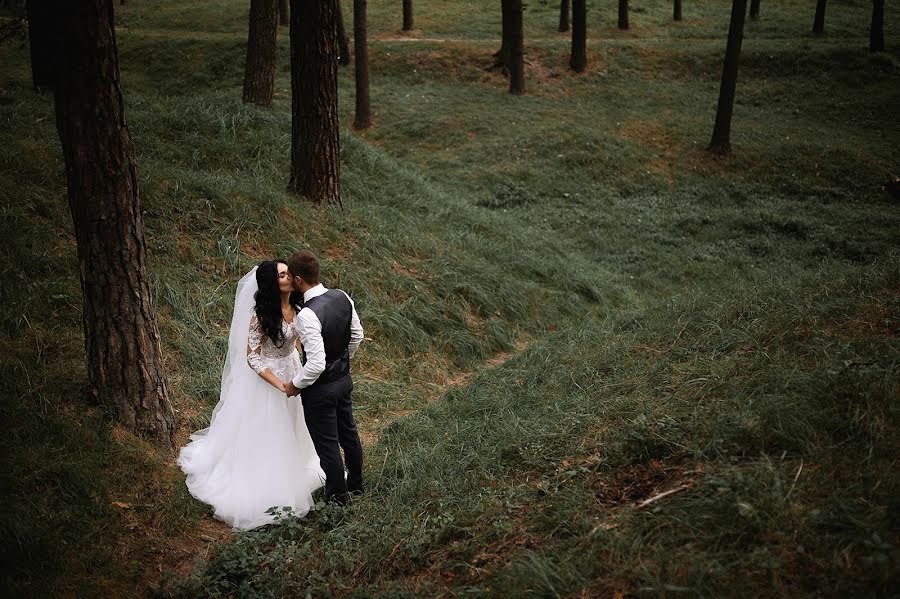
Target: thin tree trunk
{"x":124,"y":357}
{"x":363,"y":117}
{"x":284,"y":13}
{"x":754,"y":9}
{"x":876,"y":30}
{"x":676,"y":11}
{"x":407,"y":15}
{"x":563,"y":15}
{"x":819,"y":22}
{"x":259,"y":70}
{"x":578,"y":60}
{"x":517,"y":58}
{"x":623,"y":14}
{"x":315,"y":142}
{"x":42,"y":23}
{"x":721,"y":137}
{"x":343,"y":42}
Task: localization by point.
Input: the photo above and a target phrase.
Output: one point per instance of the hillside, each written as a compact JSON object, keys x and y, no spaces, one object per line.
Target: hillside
{"x":571,"y":309}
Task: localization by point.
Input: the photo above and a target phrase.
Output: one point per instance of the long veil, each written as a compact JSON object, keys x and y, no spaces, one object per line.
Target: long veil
{"x":256,"y":452}
{"x":238,"y":379}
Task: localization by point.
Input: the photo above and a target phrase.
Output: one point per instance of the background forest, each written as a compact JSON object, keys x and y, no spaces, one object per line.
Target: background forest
{"x":572,"y":308}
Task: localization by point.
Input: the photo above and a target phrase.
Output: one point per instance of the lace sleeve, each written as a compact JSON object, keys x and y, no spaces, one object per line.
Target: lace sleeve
{"x":254,"y":345}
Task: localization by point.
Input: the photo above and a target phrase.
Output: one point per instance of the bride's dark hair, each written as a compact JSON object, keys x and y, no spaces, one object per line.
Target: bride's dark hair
{"x":268,"y":300}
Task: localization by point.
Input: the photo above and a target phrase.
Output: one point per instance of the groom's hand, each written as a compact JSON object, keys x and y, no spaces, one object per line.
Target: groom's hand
{"x":290,"y":389}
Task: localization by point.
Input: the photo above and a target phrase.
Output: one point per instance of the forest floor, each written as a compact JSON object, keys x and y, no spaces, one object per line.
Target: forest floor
{"x":599,"y":362}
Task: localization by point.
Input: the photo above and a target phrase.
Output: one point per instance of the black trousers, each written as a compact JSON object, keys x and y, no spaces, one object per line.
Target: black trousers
{"x":328,"y":410}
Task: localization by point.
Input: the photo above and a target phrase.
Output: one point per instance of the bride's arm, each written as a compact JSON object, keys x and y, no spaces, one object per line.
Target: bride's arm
{"x":254,"y":347}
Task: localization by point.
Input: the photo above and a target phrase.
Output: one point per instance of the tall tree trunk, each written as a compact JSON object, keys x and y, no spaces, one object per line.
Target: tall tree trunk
{"x":819,"y":22}
{"x":407,"y":15}
{"x":503,"y":56}
{"x":578,"y":60}
{"x":721,"y":137}
{"x":42,"y":24}
{"x":563,"y":15}
{"x":315,"y":141}
{"x":623,"y":14}
{"x":284,"y":12}
{"x":363,"y":117}
{"x":124,"y":358}
{"x":876,"y":29}
{"x":259,"y":70}
{"x":676,"y":11}
{"x":754,"y":9}
{"x":343,"y":42}
{"x":517,"y":58}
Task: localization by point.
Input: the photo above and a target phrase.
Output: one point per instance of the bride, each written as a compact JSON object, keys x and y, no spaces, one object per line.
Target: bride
{"x":257,"y":452}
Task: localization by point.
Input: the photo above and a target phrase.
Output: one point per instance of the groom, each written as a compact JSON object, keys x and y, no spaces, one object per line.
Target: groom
{"x":330,"y":332}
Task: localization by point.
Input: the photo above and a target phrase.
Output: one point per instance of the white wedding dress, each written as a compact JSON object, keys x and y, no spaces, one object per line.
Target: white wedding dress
{"x":256,"y":453}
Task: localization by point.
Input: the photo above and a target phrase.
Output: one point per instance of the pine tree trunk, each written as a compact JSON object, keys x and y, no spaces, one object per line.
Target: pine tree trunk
{"x":42,"y":23}
{"x":676,"y":11}
{"x":623,"y":14}
{"x":315,"y":141}
{"x":819,"y":22}
{"x":517,"y":52}
{"x":721,"y":137}
{"x":876,"y":30}
{"x":284,"y":13}
{"x":407,"y":15}
{"x":343,"y":42}
{"x":578,"y":60}
{"x":363,"y":117}
{"x":503,"y":56}
{"x":563,"y":16}
{"x":259,"y":70}
{"x":754,"y":9}
{"x":124,"y":357}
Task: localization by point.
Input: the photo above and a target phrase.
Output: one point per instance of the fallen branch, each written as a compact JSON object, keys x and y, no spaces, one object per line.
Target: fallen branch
{"x":796,"y":476}
{"x":647,"y":502}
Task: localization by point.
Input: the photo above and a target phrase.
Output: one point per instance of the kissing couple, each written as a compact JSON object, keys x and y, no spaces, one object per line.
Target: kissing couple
{"x":266,"y":447}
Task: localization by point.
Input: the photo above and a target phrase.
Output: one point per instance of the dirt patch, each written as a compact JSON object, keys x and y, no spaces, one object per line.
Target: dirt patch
{"x":637,"y":483}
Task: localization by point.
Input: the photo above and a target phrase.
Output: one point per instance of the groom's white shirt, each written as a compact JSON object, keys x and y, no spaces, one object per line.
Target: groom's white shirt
{"x":307,"y":323}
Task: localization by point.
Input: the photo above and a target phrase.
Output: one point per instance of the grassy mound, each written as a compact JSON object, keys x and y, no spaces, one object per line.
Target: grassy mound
{"x":571,"y":309}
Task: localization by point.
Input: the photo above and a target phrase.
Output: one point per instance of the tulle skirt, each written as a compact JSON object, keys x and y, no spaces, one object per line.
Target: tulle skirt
{"x":256,"y":454}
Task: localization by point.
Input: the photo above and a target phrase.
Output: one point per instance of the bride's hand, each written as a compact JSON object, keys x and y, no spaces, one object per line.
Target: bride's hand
{"x":282,"y":387}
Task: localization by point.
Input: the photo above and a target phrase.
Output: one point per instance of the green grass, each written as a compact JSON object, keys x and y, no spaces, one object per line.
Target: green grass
{"x":729,"y":326}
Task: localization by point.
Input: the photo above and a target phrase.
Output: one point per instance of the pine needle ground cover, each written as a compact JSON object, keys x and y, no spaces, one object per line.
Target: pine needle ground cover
{"x":572,"y":310}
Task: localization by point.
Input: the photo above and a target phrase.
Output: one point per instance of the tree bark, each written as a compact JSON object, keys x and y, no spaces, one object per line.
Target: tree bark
{"x":363,"y":116}
{"x":284,"y":13}
{"x":876,"y":29}
{"x":407,"y":15}
{"x":517,"y":53}
{"x":124,"y":358}
{"x":721,"y":137}
{"x":623,"y":14}
{"x":563,"y":16}
{"x":754,"y":9}
{"x":343,"y":42}
{"x":42,"y":25}
{"x":315,"y":141}
{"x":578,"y":60}
{"x":676,"y":11}
{"x":259,"y":70}
{"x":503,"y":56}
{"x":819,"y":22}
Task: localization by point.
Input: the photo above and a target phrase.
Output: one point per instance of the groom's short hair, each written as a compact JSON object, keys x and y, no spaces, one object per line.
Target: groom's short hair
{"x":305,"y":265}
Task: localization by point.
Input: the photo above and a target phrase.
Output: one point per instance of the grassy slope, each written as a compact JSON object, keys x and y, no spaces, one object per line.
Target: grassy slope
{"x":741,"y":319}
